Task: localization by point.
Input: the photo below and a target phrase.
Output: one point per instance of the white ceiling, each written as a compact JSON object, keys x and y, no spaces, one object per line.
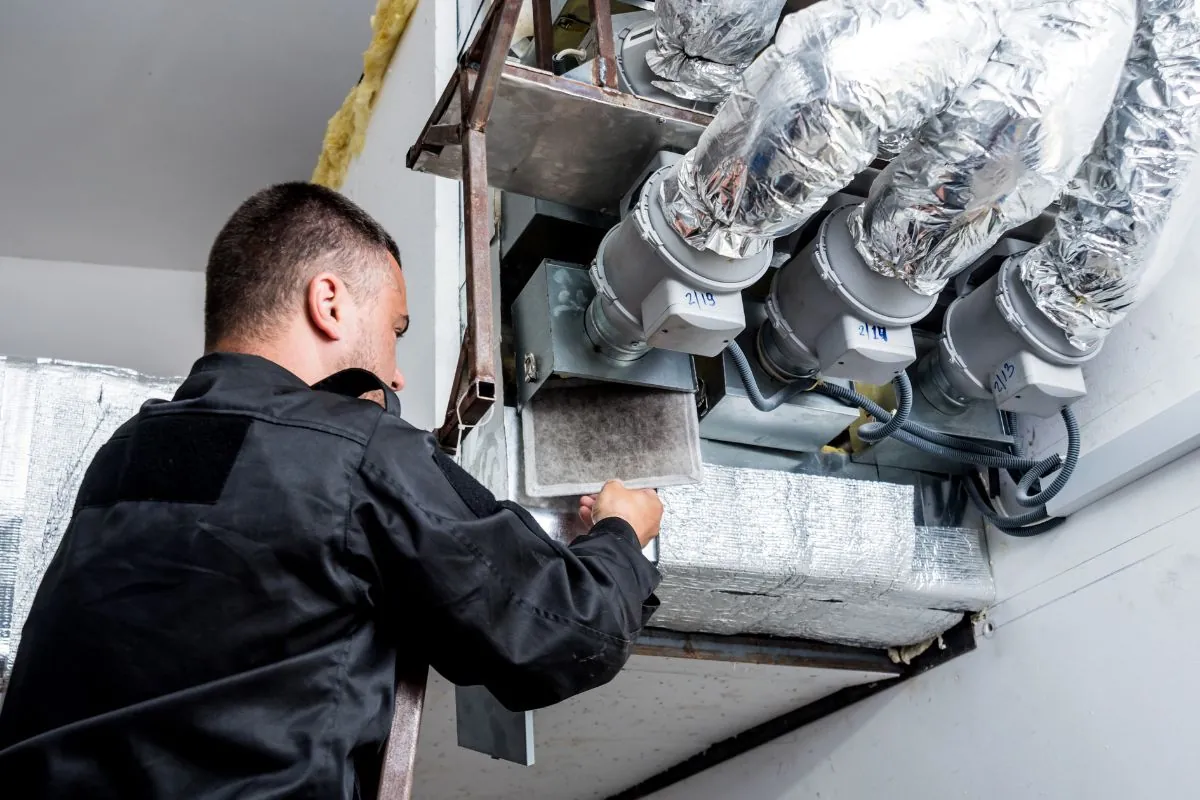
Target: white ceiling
{"x":655,"y":714}
{"x":130,"y":129}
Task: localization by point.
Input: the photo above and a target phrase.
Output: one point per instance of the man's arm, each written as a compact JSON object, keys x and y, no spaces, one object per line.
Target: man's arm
{"x":490,"y":597}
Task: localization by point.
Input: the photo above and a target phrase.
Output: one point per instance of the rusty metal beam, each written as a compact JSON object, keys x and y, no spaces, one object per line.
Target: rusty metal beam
{"x":400,"y":755}
{"x":543,"y":35}
{"x":491,"y":65}
{"x":439,"y":110}
{"x":474,"y":388}
{"x":604,"y":68}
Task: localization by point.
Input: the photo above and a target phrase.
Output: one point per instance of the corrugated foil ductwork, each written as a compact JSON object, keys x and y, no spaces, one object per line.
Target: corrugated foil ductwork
{"x":701,"y":47}
{"x":1088,"y":272}
{"x":1004,"y":149}
{"x":785,"y":554}
{"x":54,"y":416}
{"x":809,"y":113}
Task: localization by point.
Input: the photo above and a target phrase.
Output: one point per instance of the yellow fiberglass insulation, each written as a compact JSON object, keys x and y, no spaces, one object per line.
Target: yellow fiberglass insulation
{"x":348,"y":127}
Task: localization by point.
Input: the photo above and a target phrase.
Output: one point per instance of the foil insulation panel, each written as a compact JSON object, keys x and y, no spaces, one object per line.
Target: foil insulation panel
{"x":751,"y":551}
{"x":819,"y":557}
{"x":1004,"y":149}
{"x":701,"y":47}
{"x":811,"y":112}
{"x":1088,"y":272}
{"x":54,"y":416}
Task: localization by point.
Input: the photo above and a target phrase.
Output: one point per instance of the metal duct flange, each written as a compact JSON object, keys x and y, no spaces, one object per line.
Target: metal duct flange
{"x":997,"y":345}
{"x":651,"y":286}
{"x":829,"y":312}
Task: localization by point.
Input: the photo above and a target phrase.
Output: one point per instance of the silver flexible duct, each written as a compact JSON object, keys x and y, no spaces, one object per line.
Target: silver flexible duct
{"x":701,"y":47}
{"x":1088,"y":272}
{"x":1004,"y":149}
{"x":808,"y":114}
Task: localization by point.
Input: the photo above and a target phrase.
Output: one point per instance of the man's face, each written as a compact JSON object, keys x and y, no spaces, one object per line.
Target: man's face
{"x":382,"y":320}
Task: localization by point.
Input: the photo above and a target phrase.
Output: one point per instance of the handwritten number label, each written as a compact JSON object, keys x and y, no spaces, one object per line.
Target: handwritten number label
{"x":1003,"y":375}
{"x":702,"y":299}
{"x":875,"y":332}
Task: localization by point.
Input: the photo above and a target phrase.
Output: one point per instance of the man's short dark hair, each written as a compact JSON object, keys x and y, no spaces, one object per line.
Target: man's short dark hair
{"x":274,"y":244}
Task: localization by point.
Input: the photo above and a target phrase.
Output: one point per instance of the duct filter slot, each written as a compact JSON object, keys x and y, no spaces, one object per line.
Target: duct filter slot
{"x":575,"y":439}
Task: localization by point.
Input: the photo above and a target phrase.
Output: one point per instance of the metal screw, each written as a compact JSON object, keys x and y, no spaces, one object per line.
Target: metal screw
{"x":530,"y":367}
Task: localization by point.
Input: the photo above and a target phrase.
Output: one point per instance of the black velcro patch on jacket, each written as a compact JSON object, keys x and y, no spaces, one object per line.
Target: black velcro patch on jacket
{"x":182,"y":458}
{"x":474,"y":494}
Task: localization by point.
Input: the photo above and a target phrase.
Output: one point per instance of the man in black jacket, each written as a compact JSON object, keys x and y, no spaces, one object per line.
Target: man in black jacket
{"x":250,"y":564}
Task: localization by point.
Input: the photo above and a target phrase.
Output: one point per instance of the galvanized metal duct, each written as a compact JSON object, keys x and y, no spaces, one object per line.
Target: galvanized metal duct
{"x":701,"y":47}
{"x":1088,"y":272}
{"x":56,"y":415}
{"x":809,"y":113}
{"x":1004,"y":149}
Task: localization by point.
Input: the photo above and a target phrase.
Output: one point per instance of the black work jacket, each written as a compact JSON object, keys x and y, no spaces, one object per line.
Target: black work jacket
{"x":248,"y":566}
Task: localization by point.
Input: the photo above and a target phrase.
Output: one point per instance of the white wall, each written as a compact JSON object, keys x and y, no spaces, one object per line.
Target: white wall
{"x":420,"y":211}
{"x":151,"y":320}
{"x":1086,"y":688}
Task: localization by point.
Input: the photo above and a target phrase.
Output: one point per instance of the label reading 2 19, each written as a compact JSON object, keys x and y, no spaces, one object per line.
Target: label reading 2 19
{"x":875,"y":332}
{"x":701,"y":299}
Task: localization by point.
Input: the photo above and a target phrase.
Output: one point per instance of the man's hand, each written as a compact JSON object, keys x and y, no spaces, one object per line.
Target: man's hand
{"x":641,"y":508}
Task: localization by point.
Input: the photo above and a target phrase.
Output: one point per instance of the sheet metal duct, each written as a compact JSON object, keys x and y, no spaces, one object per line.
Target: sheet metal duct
{"x":781,"y":553}
{"x":54,"y":416}
{"x":809,"y":113}
{"x":701,"y":47}
{"x":1088,"y":272}
{"x":1004,"y":149}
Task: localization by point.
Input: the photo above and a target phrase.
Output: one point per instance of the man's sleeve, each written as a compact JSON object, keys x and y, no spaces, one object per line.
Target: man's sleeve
{"x":484,"y":592}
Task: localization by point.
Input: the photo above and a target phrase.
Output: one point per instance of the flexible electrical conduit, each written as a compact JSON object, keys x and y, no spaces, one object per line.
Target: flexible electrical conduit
{"x":938,"y":444}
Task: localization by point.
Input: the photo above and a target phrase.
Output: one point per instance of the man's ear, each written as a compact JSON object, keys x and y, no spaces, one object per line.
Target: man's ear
{"x":326,"y":304}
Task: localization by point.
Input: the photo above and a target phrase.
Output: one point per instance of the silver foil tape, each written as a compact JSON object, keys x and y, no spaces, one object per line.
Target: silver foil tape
{"x":701,"y":47}
{"x":810,"y":112}
{"x":54,"y":416}
{"x":1004,"y":149}
{"x":1088,"y":272}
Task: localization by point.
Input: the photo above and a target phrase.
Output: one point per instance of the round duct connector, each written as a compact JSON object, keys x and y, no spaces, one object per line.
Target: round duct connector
{"x":652,"y":285}
{"x":635,"y":76}
{"x":990,"y":335}
{"x":826,"y":283}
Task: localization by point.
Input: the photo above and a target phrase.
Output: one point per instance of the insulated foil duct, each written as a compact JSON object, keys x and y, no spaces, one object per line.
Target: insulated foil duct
{"x":1088,"y":272}
{"x":833,"y":559}
{"x":1004,"y":149}
{"x":701,"y":47}
{"x":810,"y":112}
{"x":781,"y":553}
{"x":54,"y":416}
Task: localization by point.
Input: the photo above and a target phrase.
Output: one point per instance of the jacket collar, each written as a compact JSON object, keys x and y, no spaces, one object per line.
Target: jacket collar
{"x":236,"y":370}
